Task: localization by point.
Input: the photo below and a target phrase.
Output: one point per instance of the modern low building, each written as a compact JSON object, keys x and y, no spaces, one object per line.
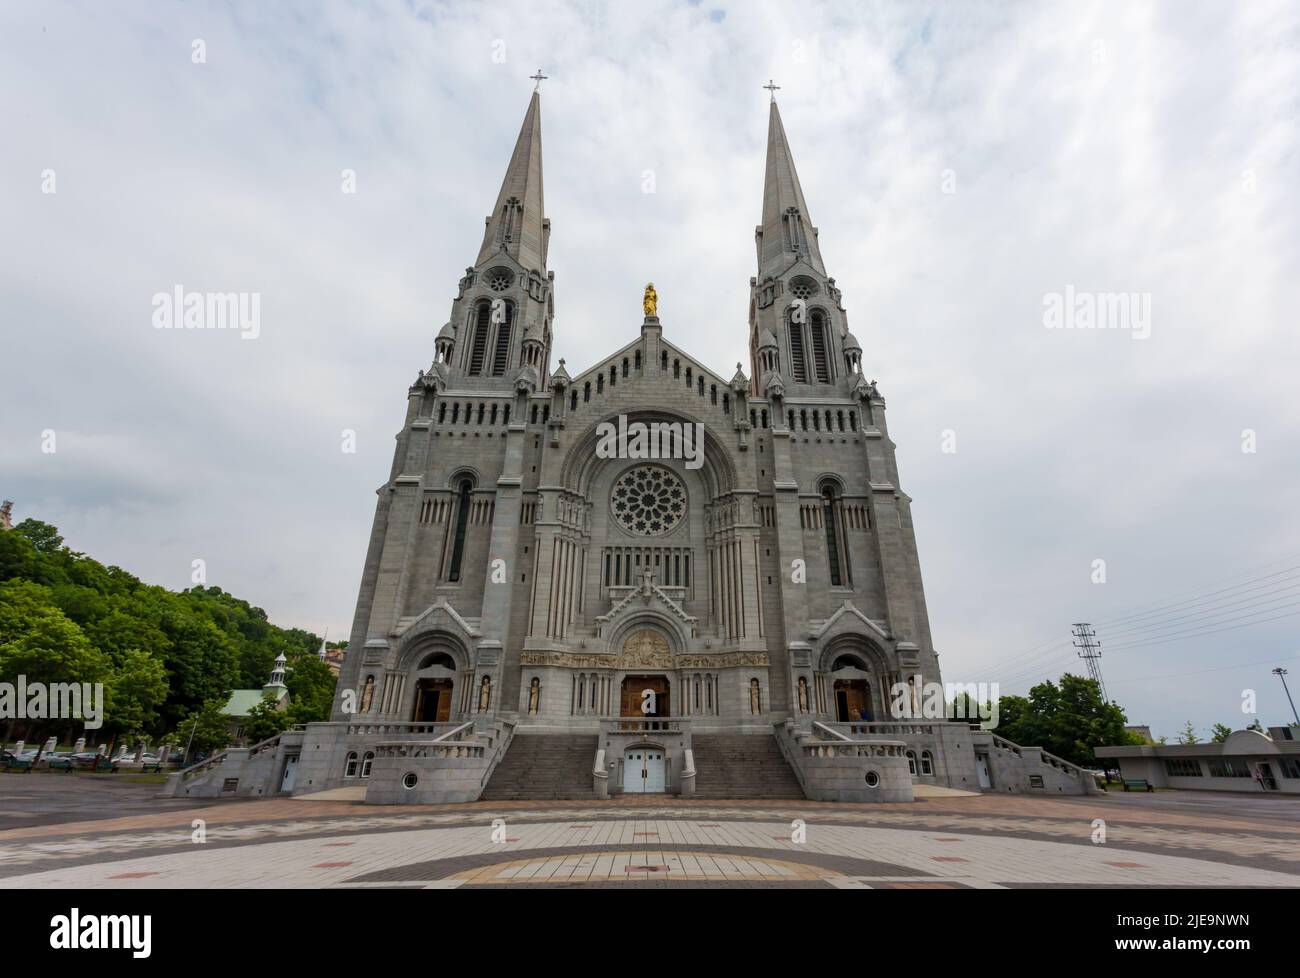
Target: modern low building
{"x":1247,"y":761}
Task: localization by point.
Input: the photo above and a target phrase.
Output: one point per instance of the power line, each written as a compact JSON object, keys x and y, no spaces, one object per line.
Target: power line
{"x":1156,"y":609}
{"x":1254,"y":601}
{"x":1197,"y":672}
{"x":1214,"y":631}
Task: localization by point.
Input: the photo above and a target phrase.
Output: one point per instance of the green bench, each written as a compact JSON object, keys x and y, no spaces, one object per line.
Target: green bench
{"x":106,"y":765}
{"x":59,"y":764}
{"x":1138,"y":784}
{"x":17,"y":764}
{"x":155,"y":768}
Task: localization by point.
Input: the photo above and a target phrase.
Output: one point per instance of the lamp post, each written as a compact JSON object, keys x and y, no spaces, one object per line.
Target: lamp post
{"x":1281,"y":674}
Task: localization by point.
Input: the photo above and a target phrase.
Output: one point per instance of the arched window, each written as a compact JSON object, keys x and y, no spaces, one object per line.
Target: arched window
{"x":911,"y":763}
{"x":927,"y":763}
{"x":798,"y":360}
{"x":462,"y":520}
{"x":478,"y":343}
{"x":586,"y":392}
{"x":573,"y":399}
{"x":832,"y":539}
{"x":366,"y":761}
{"x":501,"y":356}
{"x":663,"y":360}
{"x":350,"y":769}
{"x":820,"y":357}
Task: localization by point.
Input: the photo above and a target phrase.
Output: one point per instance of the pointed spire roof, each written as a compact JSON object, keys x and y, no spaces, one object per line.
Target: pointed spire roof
{"x":787,"y":229}
{"x":517,"y":224}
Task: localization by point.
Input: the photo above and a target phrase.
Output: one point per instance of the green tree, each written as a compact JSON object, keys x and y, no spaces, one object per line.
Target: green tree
{"x":39,"y":642}
{"x":137,"y":688}
{"x":311,"y":689}
{"x":1219,"y":733}
{"x":1188,"y":734}
{"x":206,"y":730}
{"x":43,"y":537}
{"x":1068,"y":720}
{"x":263,"y":721}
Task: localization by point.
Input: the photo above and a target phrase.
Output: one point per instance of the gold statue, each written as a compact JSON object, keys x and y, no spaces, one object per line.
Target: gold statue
{"x":651,"y":301}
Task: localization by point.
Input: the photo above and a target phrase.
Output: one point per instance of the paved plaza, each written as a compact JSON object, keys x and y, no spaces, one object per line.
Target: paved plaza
{"x":126,"y":837}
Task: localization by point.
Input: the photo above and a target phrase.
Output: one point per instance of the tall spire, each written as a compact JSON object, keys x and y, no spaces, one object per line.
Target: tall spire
{"x":517,"y":224}
{"x":787,"y":231}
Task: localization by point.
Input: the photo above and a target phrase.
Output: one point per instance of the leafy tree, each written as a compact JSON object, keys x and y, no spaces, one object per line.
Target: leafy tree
{"x":43,"y":537}
{"x":1188,"y":734}
{"x":205,"y":731}
{"x":1219,"y":733}
{"x":137,"y":688}
{"x":1068,"y":720}
{"x":311,"y":688}
{"x":263,"y":721}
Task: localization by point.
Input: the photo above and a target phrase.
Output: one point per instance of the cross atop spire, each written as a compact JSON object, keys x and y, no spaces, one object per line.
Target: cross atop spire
{"x":538,"y":79}
{"x":772,"y":88}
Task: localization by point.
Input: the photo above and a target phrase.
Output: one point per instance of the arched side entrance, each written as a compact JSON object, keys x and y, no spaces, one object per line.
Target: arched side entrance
{"x":435,"y":683}
{"x":852,"y":700}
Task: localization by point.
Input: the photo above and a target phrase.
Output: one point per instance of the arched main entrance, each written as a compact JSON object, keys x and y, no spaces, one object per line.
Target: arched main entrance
{"x":645,"y":696}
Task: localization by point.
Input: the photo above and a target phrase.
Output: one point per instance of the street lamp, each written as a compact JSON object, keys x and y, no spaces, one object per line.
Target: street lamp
{"x":1281,"y":674}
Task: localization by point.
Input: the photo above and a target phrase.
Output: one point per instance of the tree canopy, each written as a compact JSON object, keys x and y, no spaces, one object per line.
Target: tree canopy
{"x":163,"y":656}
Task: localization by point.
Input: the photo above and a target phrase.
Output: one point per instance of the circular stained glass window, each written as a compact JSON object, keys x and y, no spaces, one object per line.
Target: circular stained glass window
{"x":648,"y":500}
{"x":500,"y":279}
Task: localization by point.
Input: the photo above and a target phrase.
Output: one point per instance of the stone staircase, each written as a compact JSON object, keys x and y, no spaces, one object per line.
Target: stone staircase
{"x":741,"y":766}
{"x":544,"y":766}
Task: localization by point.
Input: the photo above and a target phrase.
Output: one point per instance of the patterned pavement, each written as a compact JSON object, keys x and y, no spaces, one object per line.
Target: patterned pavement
{"x":979,"y":841}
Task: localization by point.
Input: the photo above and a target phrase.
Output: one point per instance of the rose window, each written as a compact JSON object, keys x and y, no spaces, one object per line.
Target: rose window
{"x":649,"y":500}
{"x":499,"y":279}
{"x":803,"y":287}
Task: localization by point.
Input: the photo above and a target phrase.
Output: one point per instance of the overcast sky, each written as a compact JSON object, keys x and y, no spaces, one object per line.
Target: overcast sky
{"x":962,"y":162}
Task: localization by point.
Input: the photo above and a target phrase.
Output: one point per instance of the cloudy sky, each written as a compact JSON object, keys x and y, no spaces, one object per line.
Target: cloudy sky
{"x":963,"y":162}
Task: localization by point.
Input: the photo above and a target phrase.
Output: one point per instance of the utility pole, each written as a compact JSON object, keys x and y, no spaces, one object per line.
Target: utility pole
{"x":1090,"y":651}
{"x":1281,"y":674}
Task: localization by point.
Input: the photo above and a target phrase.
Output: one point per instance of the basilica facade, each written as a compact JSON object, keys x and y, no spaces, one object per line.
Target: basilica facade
{"x":540,"y":614}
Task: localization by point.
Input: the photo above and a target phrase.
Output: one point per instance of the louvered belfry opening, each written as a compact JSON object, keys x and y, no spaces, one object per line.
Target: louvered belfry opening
{"x":501,"y":356}
{"x":798,"y":362}
{"x":821,"y":363}
{"x":478,"y":345}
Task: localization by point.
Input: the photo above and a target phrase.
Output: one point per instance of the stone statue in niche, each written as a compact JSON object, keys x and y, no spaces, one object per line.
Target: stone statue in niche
{"x":534,"y":694}
{"x":803,"y":695}
{"x":485,"y":694}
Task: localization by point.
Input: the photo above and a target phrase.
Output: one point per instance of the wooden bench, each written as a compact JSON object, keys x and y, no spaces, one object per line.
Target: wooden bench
{"x":155,"y":768}
{"x":1138,"y":784}
{"x":59,"y":764}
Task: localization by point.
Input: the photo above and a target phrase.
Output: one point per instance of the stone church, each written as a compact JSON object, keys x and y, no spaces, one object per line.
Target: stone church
{"x":541,"y":618}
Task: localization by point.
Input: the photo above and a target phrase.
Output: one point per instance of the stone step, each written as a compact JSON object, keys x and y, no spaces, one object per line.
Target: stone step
{"x":544,"y":766}
{"x":742,"y":766}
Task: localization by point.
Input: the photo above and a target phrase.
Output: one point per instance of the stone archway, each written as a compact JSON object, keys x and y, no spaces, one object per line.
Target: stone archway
{"x":645,"y":662}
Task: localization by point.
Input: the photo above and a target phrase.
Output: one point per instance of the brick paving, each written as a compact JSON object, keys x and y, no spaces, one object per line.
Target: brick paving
{"x":976,"y":841}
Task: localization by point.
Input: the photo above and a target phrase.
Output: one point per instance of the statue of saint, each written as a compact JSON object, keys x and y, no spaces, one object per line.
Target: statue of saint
{"x":803,"y":695}
{"x":651,"y":301}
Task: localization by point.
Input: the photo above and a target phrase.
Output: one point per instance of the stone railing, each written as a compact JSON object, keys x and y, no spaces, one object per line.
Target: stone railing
{"x":214,"y":762}
{"x":878,"y":748}
{"x":881,"y":728}
{"x":429,"y":748}
{"x":397,"y":728}
{"x":646,"y":725}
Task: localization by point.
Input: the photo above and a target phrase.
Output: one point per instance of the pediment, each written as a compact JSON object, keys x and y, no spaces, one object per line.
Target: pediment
{"x":848,"y":619}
